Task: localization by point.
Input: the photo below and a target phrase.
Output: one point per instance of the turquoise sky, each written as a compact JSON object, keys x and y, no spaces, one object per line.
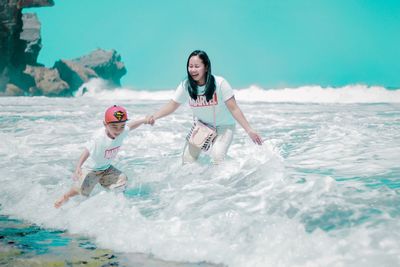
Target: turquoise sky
{"x":273,"y":44}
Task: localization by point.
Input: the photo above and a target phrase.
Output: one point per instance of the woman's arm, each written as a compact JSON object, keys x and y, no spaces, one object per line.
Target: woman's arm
{"x":239,"y":117}
{"x":167,"y":109}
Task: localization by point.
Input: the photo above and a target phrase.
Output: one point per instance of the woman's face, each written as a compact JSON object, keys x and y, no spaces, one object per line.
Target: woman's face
{"x":197,"y":70}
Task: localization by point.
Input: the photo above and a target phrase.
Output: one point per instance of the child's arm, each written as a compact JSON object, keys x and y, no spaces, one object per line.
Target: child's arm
{"x":134,"y":124}
{"x":78,"y":170}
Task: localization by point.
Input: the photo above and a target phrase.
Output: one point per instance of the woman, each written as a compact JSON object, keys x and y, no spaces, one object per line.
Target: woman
{"x":213,"y":102}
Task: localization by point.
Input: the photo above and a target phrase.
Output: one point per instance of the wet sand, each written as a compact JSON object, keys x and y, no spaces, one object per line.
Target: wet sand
{"x":24,"y":244}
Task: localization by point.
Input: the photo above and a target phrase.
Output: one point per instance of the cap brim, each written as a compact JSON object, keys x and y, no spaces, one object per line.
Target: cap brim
{"x":116,"y":121}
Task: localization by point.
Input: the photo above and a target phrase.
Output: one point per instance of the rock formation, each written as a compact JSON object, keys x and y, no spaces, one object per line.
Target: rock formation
{"x":20,"y":44}
{"x":107,"y":64}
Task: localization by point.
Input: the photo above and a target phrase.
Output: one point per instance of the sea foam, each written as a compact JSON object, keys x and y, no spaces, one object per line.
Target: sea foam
{"x":304,"y":94}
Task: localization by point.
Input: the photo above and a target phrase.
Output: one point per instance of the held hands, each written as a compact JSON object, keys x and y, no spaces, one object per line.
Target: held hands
{"x":150,"y":120}
{"x":255,"y":137}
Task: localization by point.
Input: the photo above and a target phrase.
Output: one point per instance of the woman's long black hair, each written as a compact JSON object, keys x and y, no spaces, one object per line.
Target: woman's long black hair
{"x":210,"y":80}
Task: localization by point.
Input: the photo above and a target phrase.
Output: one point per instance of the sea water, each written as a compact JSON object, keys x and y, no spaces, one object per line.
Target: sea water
{"x":323,"y":189}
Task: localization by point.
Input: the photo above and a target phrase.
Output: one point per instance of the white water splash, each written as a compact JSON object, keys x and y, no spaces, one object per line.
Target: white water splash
{"x":322,"y":191}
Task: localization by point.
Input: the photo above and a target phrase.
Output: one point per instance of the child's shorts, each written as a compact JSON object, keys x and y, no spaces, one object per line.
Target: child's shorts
{"x":110,"y":178}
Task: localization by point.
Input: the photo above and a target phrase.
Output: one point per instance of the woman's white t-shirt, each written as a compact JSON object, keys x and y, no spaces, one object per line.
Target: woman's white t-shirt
{"x":203,"y":109}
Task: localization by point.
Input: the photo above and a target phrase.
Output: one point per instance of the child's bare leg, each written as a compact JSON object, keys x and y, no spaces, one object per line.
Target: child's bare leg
{"x":72,"y":192}
{"x":121,"y":182}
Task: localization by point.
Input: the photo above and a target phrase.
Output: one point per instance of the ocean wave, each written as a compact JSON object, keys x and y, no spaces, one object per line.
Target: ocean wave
{"x":305,"y":94}
{"x":321,"y":191}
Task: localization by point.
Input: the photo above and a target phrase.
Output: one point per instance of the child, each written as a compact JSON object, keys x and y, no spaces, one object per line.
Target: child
{"x":99,"y":152}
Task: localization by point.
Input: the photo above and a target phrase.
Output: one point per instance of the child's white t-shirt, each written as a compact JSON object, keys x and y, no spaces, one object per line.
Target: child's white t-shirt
{"x":203,"y":109}
{"x":103,"y":149}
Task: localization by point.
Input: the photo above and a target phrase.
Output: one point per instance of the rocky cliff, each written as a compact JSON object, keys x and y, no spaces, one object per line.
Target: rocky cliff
{"x":20,"y":44}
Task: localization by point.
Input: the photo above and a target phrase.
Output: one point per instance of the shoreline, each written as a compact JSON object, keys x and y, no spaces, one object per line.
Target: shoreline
{"x":26,"y":244}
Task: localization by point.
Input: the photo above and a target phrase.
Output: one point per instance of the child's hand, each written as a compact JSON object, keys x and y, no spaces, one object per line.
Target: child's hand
{"x":77,"y":174}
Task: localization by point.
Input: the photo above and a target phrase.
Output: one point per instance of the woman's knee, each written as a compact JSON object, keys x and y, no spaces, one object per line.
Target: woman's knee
{"x":221,"y":146}
{"x":218,"y":154}
{"x":190,"y":154}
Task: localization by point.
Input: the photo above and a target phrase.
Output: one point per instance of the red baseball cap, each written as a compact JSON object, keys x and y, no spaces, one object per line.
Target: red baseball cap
{"x":115,"y":114}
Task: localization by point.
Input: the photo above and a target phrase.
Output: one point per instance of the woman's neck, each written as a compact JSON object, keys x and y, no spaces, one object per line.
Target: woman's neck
{"x":201,"y":83}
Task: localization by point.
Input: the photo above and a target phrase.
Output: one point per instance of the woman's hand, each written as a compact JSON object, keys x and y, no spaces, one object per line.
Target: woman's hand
{"x":255,"y":137}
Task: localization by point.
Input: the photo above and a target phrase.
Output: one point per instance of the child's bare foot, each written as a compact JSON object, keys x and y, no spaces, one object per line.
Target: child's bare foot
{"x":61,"y":201}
